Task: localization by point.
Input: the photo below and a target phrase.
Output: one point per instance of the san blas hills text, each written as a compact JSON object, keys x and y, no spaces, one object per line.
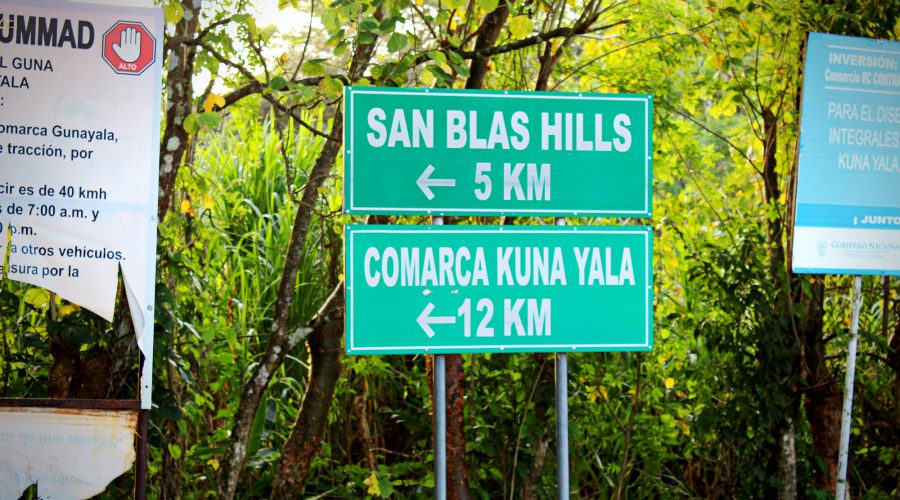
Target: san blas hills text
{"x":39,"y":31}
{"x":415,"y":128}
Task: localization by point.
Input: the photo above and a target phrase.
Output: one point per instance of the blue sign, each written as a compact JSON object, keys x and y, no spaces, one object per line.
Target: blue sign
{"x":847,"y":215}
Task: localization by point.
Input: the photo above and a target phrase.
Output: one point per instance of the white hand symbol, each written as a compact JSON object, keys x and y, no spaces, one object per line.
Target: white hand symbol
{"x":129,"y":47}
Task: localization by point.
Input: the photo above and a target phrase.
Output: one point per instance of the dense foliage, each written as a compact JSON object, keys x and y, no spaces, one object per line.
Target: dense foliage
{"x":736,"y":364}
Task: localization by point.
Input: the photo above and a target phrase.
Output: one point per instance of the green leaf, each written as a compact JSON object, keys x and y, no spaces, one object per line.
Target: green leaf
{"x":388,"y":24}
{"x":330,"y":20}
{"x":520,"y":26}
{"x":438,"y":56}
{"x":461,"y":69}
{"x":442,"y":76}
{"x":208,"y":120}
{"x":385,"y":485}
{"x":278,"y":83}
{"x":251,"y":26}
{"x":341,"y":48}
{"x":456,"y":59}
{"x":336,"y":38}
{"x":368,"y":24}
{"x":256,"y":430}
{"x":396,"y":42}
{"x":190,"y":123}
{"x":313,"y":67}
{"x":488,"y":5}
{"x":427,"y":78}
{"x":331,"y":87}
{"x":38,"y":298}
{"x":457,"y":4}
{"x":174,"y":12}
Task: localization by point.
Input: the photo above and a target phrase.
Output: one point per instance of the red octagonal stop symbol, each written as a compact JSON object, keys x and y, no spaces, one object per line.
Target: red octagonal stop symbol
{"x":129,"y":48}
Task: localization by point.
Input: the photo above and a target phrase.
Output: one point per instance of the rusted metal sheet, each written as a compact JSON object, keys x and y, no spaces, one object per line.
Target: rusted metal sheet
{"x":78,"y":404}
{"x":69,"y":452}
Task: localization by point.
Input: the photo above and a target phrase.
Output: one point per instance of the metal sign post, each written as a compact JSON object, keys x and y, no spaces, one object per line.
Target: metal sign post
{"x":440,"y":417}
{"x":440,"y":428}
{"x":847,"y":412}
{"x":562,"y":425}
{"x":562,"y":416}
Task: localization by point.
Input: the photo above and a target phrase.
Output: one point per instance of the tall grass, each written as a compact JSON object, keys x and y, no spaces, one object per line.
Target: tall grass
{"x":221,"y":259}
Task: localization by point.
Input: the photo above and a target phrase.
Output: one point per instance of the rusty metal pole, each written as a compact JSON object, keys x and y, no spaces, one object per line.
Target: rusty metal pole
{"x":140,"y":465}
{"x":143,"y":435}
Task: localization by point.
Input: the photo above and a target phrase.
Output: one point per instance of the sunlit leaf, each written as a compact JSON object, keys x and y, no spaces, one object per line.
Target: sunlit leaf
{"x":427,"y":78}
{"x":488,"y":5}
{"x":374,"y":488}
{"x":520,"y":26}
{"x":173,"y":11}
{"x":313,"y":67}
{"x":213,"y":100}
{"x":186,"y":207}
{"x":38,"y":298}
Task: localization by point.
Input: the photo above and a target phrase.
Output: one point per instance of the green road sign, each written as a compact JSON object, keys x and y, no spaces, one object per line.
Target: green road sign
{"x":459,"y":152}
{"x":463,"y":289}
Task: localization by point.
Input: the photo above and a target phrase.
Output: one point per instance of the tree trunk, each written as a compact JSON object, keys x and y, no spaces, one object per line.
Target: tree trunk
{"x":894,"y":362}
{"x":543,"y":401}
{"x":305,"y":440}
{"x":488,"y":32}
{"x":457,"y":471}
{"x":123,"y":347}
{"x":282,"y":340}
{"x":823,"y":399}
{"x":171,"y":474}
{"x":64,"y":369}
{"x":317,"y":400}
{"x":785,"y":459}
{"x":179,"y":97}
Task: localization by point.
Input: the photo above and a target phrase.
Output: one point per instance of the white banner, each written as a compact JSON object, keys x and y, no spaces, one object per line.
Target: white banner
{"x":79,"y":147}
{"x":68,"y":453}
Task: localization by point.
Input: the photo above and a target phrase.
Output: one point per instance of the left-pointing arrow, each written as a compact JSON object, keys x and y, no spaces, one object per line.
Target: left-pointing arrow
{"x":425,"y":182}
{"x":425,"y":320}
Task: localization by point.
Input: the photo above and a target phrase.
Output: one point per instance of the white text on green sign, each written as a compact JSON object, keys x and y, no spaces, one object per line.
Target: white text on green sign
{"x":489,"y":289}
{"x":478,"y":152}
